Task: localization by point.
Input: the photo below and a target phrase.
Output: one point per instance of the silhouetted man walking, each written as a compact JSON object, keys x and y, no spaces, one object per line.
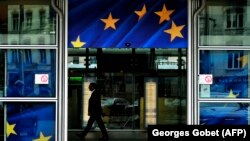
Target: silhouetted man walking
{"x":95,"y":113}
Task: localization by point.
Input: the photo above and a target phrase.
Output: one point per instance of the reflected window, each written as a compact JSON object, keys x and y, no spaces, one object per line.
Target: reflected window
{"x":29,"y":19}
{"x":234,"y":61}
{"x":42,"y":15}
{"x":14,"y":56}
{"x":234,"y":18}
{"x":27,"y":53}
{"x":81,"y":62}
{"x":41,"y":41}
{"x":43,"y":56}
{"x":15,"y":21}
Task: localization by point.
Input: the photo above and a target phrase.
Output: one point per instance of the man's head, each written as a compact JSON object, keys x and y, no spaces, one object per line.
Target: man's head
{"x":19,"y":84}
{"x":92,"y":86}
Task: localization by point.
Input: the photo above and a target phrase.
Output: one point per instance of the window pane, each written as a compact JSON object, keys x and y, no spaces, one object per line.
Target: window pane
{"x":31,"y":73}
{"x":1,"y":121}
{"x":226,"y":23}
{"x":230,"y":76}
{"x":20,"y":21}
{"x":29,"y":121}
{"x":224,"y":114}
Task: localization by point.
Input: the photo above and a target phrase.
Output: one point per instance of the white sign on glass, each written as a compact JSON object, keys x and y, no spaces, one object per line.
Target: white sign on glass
{"x":205,"y":79}
{"x":41,"y":78}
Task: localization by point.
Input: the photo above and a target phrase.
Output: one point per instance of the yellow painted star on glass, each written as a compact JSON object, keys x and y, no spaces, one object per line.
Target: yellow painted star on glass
{"x":78,"y":43}
{"x":175,"y":31}
{"x":164,"y":14}
{"x":142,"y":12}
{"x":42,"y":138}
{"x":110,"y":22}
{"x":231,"y":95}
{"x":10,"y":129}
{"x":244,"y":60}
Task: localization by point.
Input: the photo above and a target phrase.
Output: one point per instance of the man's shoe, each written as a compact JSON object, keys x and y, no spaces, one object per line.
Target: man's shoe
{"x":104,"y":138}
{"x":81,"y":136}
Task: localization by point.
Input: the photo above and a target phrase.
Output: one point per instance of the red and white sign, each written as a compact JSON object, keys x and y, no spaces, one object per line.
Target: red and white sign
{"x":41,"y":78}
{"x":205,"y":79}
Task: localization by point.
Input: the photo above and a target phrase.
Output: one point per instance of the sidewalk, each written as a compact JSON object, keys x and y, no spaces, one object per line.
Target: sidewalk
{"x":113,"y":136}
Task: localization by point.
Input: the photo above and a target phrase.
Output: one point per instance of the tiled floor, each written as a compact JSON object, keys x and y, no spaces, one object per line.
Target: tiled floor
{"x":113,"y":135}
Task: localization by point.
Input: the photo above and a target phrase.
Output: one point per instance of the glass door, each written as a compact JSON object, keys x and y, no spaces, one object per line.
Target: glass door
{"x":119,"y":102}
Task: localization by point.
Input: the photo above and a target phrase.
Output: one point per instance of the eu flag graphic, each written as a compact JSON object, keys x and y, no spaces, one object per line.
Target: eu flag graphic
{"x":127,"y":23}
{"x":30,"y":122}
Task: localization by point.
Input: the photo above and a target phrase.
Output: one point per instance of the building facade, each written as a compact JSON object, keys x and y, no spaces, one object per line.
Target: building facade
{"x":147,"y":73}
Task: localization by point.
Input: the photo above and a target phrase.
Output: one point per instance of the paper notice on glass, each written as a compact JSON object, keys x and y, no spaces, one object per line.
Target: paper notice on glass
{"x":205,"y":79}
{"x":204,"y":91}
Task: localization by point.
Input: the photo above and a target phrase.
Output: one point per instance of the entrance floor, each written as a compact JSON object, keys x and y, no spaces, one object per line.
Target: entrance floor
{"x":113,"y":135}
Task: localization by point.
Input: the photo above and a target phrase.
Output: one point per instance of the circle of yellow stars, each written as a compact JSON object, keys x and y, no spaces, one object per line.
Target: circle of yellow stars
{"x":164,"y":14}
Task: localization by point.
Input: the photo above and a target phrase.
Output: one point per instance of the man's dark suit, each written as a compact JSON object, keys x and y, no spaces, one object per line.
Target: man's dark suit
{"x":95,"y":113}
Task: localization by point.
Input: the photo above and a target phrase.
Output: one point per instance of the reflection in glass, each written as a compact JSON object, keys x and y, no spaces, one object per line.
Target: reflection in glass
{"x":225,"y":23}
{"x":19,"y":22}
{"x":23,"y":66}
{"x":230,"y":71}
{"x":1,"y":121}
{"x":172,"y":107}
{"x":30,"y":120}
{"x":224,"y":113}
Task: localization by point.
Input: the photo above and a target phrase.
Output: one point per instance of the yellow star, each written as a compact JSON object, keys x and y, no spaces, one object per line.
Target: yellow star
{"x":164,"y":14}
{"x":231,"y":95}
{"x":142,"y":12}
{"x":78,"y":43}
{"x":42,"y":138}
{"x":175,"y":31}
{"x":10,"y":129}
{"x":110,"y":22}
{"x":244,"y":60}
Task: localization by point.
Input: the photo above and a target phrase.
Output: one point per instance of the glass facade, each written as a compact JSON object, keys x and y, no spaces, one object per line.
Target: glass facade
{"x":223,"y":56}
{"x":141,"y":82}
{"x":27,"y":23}
{"x":28,"y":71}
{"x":225,"y":23}
{"x":224,"y":113}
{"x":127,"y":78}
{"x":229,"y":70}
{"x":29,"y":121}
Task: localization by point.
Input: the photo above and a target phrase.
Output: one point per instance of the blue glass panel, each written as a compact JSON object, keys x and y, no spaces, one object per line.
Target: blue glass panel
{"x":230,"y":73}
{"x":22,"y":68}
{"x":224,"y":113}
{"x":30,"y":121}
{"x":126,"y":23}
{"x":1,"y":121}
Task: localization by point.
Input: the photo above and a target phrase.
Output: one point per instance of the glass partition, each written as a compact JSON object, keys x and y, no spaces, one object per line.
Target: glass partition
{"x":229,"y":71}
{"x":225,"y":23}
{"x":224,"y":113}
{"x":29,"y":73}
{"x":29,"y":121}
{"x":27,"y":23}
{"x":124,"y":77}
